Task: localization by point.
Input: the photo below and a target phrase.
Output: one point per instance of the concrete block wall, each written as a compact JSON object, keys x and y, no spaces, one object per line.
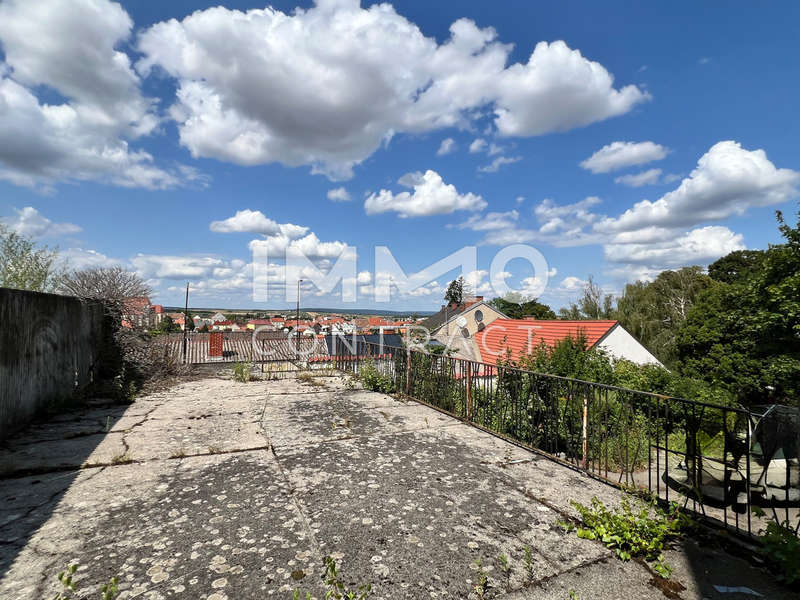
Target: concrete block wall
{"x":49,"y":347}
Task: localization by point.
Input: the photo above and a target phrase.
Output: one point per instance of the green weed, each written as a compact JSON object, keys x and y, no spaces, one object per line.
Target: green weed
{"x":337,"y":589}
{"x":242,"y":371}
{"x":630,"y":532}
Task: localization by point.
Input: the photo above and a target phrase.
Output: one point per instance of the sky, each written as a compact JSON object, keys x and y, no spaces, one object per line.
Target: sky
{"x":217,"y":144}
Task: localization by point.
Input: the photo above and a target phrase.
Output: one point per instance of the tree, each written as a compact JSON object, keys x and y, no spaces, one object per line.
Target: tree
{"x":653,"y":312}
{"x":189,"y":322}
{"x":455,"y":292}
{"x":112,"y":285}
{"x":24,"y":265}
{"x":593,"y":304}
{"x":515,"y":306}
{"x":736,"y":266}
{"x":167,"y":325}
{"x":745,"y":335}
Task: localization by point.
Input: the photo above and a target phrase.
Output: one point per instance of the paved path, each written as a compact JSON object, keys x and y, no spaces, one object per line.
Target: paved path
{"x":216,"y":489}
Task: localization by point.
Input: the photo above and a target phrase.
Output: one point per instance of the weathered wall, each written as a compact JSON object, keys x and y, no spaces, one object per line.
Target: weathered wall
{"x":49,"y":347}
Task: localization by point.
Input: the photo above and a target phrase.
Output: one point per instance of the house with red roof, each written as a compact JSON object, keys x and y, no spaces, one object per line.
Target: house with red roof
{"x":519,"y":337}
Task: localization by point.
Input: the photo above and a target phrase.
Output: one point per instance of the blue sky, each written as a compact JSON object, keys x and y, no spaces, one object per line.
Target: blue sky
{"x":635,"y":138}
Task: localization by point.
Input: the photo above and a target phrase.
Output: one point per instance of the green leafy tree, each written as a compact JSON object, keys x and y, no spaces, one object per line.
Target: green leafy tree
{"x":737,"y":266}
{"x":745,"y":335}
{"x":519,"y":307}
{"x":653,"y":312}
{"x":570,"y":357}
{"x":189,"y":322}
{"x":24,"y":265}
{"x":593,"y":304}
{"x":455,"y":292}
{"x":167,"y":325}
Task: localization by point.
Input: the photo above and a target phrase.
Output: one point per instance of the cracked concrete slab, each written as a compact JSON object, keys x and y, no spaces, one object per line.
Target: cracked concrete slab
{"x":239,"y":490}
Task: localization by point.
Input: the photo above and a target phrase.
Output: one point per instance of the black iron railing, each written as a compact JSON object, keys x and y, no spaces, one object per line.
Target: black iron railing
{"x":713,"y":460}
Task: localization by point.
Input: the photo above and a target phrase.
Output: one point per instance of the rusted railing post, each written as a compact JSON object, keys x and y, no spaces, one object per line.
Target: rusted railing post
{"x":469,"y":391}
{"x":585,"y":431}
{"x":408,"y":370}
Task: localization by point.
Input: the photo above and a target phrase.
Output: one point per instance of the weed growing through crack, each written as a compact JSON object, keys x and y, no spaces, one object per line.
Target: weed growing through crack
{"x":482,"y":586}
{"x":573,"y":595}
{"x":122,"y":459}
{"x":505,"y":567}
{"x":632,"y":533}
{"x":337,"y":589}
{"x":69,"y":589}
{"x":178,"y":453}
{"x":529,"y":562}
{"x":213,"y":449}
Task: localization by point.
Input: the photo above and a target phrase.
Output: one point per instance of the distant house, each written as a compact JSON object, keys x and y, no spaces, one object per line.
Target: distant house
{"x":456,"y":326}
{"x":138,"y":313}
{"x":522,"y":336}
{"x":253,"y":324}
{"x":225,"y":326}
{"x":217,"y":317}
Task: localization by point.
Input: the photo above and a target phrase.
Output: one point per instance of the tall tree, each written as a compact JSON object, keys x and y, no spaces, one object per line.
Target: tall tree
{"x":593,"y":304}
{"x":24,"y":265}
{"x":745,"y":335}
{"x":653,"y":312}
{"x":520,"y":307}
{"x":736,"y":266}
{"x":455,"y":292}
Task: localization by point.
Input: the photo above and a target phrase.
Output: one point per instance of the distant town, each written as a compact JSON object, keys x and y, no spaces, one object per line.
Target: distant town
{"x":141,"y":314}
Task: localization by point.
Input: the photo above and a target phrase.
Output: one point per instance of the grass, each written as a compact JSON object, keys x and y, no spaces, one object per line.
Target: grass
{"x":122,"y":459}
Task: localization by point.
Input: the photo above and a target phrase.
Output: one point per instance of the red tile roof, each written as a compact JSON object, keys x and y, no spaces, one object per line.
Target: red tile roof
{"x":523,"y":335}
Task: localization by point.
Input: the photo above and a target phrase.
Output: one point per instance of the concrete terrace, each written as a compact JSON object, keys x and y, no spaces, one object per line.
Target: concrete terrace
{"x":215,"y":489}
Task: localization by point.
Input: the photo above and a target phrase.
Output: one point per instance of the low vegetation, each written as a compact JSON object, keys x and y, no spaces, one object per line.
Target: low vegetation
{"x":337,"y":588}
{"x":243,"y":371}
{"x":69,"y":589}
{"x":781,"y":548}
{"x":641,"y":532}
{"x":374,"y":380}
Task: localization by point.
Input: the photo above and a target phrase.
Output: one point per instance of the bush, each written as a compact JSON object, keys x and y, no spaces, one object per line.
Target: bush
{"x":242,"y":371}
{"x":374,"y":380}
{"x":781,"y":546}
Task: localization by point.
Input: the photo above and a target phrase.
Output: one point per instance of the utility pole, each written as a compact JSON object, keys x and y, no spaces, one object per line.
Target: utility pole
{"x":297,"y":322}
{"x":186,"y":322}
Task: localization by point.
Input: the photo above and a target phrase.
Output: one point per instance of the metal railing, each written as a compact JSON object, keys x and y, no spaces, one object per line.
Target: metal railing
{"x":713,"y":460}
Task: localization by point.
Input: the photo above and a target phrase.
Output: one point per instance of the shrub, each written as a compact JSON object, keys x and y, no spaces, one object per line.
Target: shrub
{"x":781,"y":546}
{"x":374,"y":380}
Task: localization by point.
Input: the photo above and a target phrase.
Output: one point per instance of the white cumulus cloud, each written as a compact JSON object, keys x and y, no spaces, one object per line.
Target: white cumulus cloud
{"x":618,"y":155}
{"x":697,"y":246}
{"x":327,"y":85}
{"x":339,"y":194}
{"x":254,"y":221}
{"x":430,"y":196}
{"x":71,"y":46}
{"x":649,"y":177}
{"x":29,"y":222}
{"x":447,"y":146}
{"x":727,"y":181}
{"x":494,"y":166}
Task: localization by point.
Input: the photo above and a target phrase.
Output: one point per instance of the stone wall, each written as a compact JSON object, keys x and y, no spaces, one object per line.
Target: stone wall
{"x":50,"y":347}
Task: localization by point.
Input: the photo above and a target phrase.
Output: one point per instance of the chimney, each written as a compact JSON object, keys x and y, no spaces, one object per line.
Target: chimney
{"x":474,"y":300}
